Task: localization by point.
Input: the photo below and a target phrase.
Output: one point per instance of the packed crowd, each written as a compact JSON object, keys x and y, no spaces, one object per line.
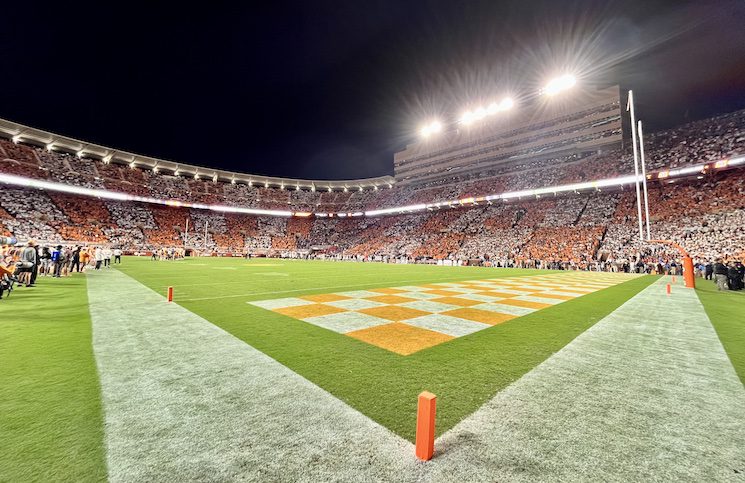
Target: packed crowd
{"x":705,"y":214}
{"x":706,"y":140}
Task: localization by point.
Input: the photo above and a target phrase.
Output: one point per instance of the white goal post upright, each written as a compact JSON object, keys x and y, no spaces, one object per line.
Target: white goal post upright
{"x":644,"y":177}
{"x":630,"y":108}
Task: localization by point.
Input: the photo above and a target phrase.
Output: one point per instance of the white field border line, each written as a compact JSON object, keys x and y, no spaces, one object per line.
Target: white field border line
{"x":390,"y":437}
{"x":435,"y":280}
{"x":383,"y":454}
{"x":277,"y":292}
{"x":498,"y":438}
{"x":376,"y":275}
{"x":432,"y":279}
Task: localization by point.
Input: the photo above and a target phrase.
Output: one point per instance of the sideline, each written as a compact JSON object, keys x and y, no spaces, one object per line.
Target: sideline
{"x":185,"y":400}
{"x":646,"y":393}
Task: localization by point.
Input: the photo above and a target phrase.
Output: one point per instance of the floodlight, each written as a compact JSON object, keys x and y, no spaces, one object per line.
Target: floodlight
{"x":433,"y":127}
{"x":80,"y":153}
{"x":50,"y":146}
{"x":559,"y":84}
{"x":345,"y":189}
{"x":132,"y":165}
{"x":492,"y":108}
{"x":312,"y":188}
{"x":196,"y":175}
{"x":466,"y":118}
{"x":479,"y":113}
{"x":506,"y":104}
{"x":16,"y":139}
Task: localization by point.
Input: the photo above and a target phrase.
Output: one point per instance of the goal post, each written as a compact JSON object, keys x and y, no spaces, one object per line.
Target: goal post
{"x":689,"y":276}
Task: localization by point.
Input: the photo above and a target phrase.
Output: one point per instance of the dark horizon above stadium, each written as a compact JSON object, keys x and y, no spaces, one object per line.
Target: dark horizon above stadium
{"x":330,"y":91}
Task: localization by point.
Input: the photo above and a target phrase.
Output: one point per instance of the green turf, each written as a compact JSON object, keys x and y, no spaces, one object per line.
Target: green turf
{"x":726,"y":311}
{"x":463,"y":373}
{"x":51,"y":426}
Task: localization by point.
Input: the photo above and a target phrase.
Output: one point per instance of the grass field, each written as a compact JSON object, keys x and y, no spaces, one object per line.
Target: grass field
{"x":726,"y":310}
{"x":463,"y":372}
{"x":51,"y":415}
{"x":50,"y":412}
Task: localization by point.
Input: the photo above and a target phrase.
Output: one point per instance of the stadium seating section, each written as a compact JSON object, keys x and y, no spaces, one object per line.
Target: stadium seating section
{"x":705,"y":214}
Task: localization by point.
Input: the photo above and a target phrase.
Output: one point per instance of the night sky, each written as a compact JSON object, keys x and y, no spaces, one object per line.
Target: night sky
{"x":321,"y":89}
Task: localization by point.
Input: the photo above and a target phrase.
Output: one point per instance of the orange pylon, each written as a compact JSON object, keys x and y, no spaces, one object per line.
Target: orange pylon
{"x":425,"y":426}
{"x":170,"y":294}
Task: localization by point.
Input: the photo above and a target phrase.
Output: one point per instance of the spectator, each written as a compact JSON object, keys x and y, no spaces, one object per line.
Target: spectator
{"x":720,"y":274}
{"x":57,"y":260}
{"x":98,"y":256}
{"x":28,"y":264}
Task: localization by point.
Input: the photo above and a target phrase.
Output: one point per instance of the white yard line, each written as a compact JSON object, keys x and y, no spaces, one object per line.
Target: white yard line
{"x":186,"y":401}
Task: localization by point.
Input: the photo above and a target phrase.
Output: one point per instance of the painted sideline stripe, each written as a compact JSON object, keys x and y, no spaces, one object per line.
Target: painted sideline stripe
{"x":646,"y":393}
{"x":184,"y":400}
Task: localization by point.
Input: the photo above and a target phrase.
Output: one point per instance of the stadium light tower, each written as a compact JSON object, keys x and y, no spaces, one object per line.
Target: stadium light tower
{"x":560,"y":84}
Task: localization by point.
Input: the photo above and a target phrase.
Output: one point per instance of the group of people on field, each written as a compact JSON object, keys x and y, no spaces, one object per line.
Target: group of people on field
{"x":23,"y":264}
{"x":727,"y":275}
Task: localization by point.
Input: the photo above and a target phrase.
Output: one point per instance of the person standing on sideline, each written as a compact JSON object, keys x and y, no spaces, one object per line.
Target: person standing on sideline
{"x":117,"y":255}
{"x":66,"y":257}
{"x":708,"y":270}
{"x":720,"y":274}
{"x":57,"y":260}
{"x":45,"y":262}
{"x":107,"y":257}
{"x":733,"y":277}
{"x":75,"y":262}
{"x":98,"y":256}
{"x":29,"y":262}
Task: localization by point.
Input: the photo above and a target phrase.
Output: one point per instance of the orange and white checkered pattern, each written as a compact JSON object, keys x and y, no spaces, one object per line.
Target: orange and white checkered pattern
{"x":408,"y":319}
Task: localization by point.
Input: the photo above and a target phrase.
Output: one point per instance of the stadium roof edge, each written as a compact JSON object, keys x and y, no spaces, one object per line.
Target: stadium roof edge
{"x":29,"y":135}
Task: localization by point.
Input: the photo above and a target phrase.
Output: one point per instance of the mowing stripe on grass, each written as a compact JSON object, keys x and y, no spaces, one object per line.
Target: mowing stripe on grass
{"x":646,"y":393}
{"x":185,"y":400}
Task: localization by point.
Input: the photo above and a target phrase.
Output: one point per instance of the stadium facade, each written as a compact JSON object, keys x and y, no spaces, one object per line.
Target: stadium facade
{"x":579,"y":126}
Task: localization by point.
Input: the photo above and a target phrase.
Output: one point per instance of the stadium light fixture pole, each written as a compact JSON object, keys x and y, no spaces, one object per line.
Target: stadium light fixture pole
{"x":630,"y":108}
{"x":644,"y":177}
